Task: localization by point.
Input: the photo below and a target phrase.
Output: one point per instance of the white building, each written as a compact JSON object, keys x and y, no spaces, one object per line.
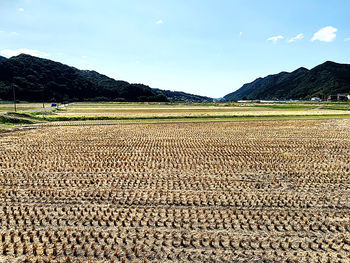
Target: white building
{"x":315,"y":99}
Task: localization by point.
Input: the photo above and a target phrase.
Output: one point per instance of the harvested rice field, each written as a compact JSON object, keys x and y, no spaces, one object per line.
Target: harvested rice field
{"x":257,"y":191}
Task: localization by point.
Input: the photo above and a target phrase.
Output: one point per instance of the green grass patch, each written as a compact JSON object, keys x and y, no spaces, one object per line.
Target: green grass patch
{"x":18,"y":114}
{"x":194,"y":120}
{"x":337,"y":107}
{"x":283,"y":106}
{"x":11,"y":120}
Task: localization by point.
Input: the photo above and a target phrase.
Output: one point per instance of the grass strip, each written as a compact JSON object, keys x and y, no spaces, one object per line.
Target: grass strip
{"x":30,"y":118}
{"x":282,"y":106}
{"x":189,"y":119}
{"x":10,"y":120}
{"x":92,"y":118}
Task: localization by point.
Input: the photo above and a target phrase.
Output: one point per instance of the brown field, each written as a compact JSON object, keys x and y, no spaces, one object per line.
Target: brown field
{"x":134,"y":110}
{"x":258,"y":191}
{"x":23,"y":106}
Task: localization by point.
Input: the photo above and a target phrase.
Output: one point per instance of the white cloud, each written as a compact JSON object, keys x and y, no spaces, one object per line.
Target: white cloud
{"x":21,"y":9}
{"x":240,"y":34}
{"x":326,"y":34}
{"x":159,"y":22}
{"x":16,"y":52}
{"x":275,"y":38}
{"x":298,"y":37}
{"x":14,"y":33}
{"x":84,"y":57}
{"x":347,"y":39}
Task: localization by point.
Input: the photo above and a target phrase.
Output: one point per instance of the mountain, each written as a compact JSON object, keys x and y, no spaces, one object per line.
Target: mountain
{"x":2,"y":58}
{"x":38,"y":79}
{"x":182,"y":96}
{"x":323,"y":80}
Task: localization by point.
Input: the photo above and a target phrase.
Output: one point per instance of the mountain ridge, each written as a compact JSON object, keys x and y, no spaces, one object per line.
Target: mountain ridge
{"x":322,"y":80}
{"x":39,"y":79}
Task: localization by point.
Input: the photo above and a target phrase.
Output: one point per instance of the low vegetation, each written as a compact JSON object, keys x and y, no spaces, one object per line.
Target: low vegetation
{"x":12,"y":120}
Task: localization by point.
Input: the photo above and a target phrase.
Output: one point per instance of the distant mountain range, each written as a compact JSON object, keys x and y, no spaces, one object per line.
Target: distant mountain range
{"x":183,"y":96}
{"x":323,"y":80}
{"x":38,"y":79}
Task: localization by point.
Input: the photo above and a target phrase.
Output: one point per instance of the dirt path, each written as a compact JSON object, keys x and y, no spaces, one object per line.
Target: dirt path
{"x":321,"y":107}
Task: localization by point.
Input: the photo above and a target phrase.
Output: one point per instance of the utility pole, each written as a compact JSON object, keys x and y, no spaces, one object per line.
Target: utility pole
{"x":43,"y":96}
{"x":14,"y":97}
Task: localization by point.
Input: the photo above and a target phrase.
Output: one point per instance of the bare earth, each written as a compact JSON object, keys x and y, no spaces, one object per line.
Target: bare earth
{"x":177,"y":192}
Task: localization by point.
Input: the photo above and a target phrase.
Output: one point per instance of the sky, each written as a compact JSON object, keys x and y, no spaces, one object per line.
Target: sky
{"x":205,"y":47}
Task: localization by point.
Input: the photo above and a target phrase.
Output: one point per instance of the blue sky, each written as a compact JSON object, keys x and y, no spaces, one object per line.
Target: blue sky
{"x":204,"y":47}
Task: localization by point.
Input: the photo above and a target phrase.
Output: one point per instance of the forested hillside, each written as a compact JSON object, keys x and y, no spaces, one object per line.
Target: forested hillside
{"x":38,"y":79}
{"x":323,"y":80}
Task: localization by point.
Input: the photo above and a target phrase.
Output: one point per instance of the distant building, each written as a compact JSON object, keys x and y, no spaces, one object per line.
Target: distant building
{"x":315,"y":99}
{"x":248,"y":101}
{"x":342,"y":97}
{"x":338,"y":97}
{"x":332,"y":98}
